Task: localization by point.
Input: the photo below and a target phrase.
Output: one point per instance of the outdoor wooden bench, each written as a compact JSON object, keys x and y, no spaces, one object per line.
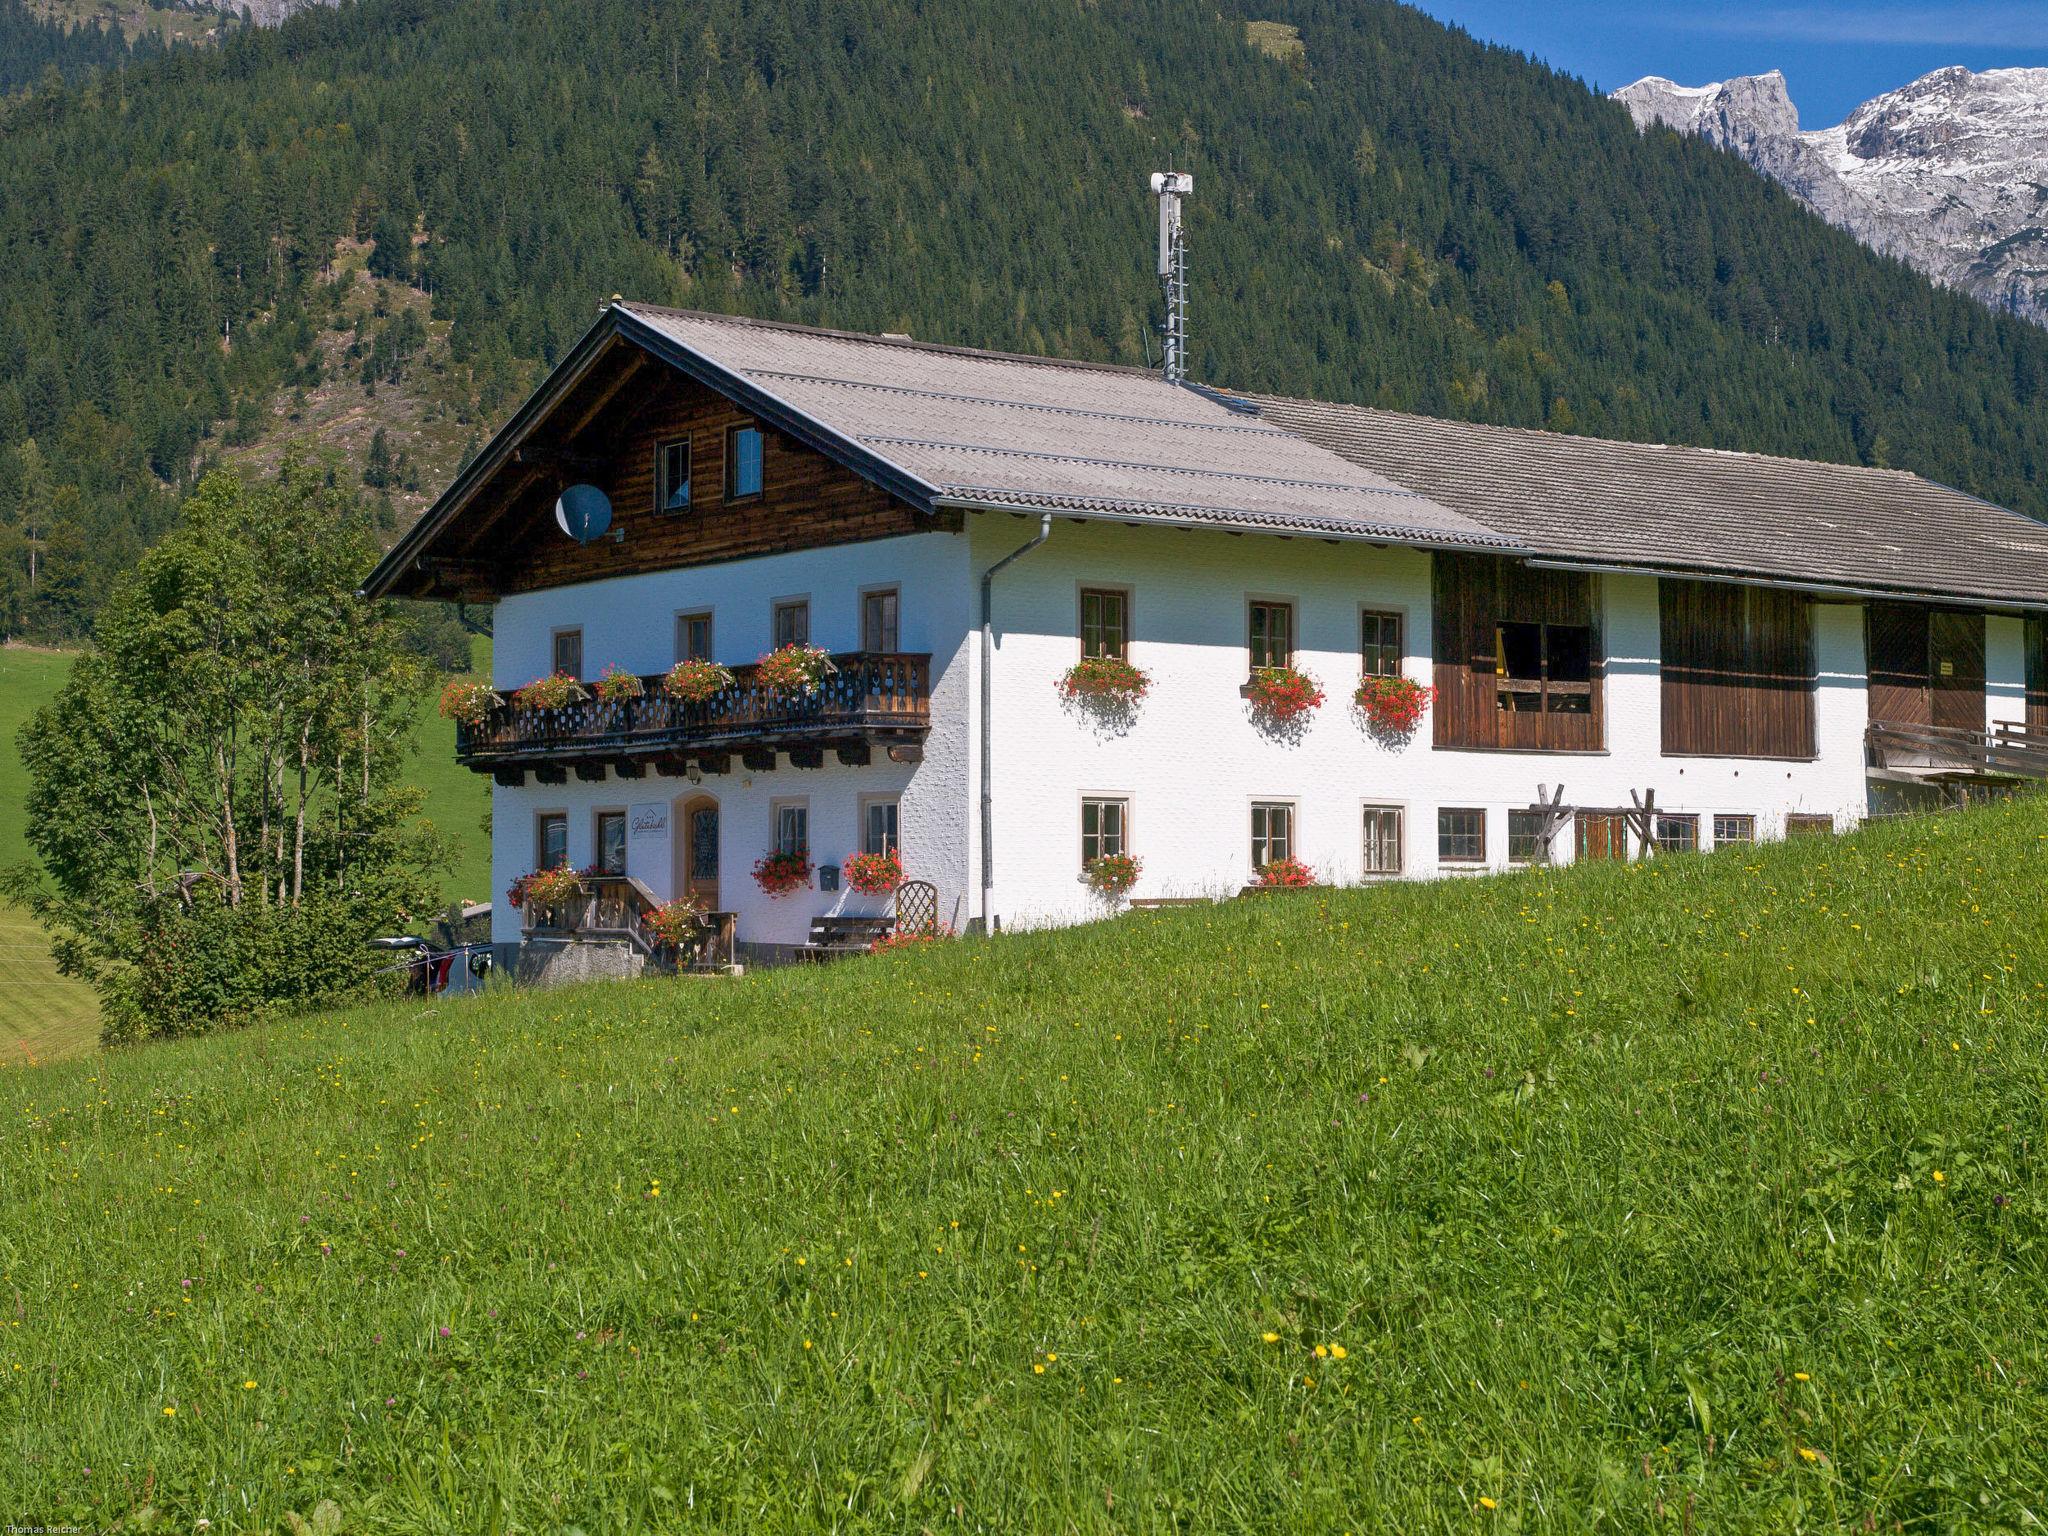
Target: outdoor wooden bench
{"x":833,"y":936}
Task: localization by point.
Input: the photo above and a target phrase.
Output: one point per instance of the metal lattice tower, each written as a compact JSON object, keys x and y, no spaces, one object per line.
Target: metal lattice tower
{"x":1172,"y":186}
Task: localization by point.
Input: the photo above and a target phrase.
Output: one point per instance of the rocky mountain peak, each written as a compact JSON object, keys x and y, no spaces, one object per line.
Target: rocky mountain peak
{"x":1948,"y":173}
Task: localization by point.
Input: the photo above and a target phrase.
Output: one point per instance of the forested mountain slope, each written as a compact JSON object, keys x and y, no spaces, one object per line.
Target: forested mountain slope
{"x":1392,"y":213}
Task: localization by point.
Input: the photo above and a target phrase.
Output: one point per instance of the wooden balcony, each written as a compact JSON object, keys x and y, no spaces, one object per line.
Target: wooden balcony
{"x":2010,"y":750}
{"x":869,"y":700}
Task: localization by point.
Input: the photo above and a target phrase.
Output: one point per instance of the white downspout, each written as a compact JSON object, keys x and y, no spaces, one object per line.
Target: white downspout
{"x":988,"y":645}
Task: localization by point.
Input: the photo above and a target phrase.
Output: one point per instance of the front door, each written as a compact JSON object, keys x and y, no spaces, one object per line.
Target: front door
{"x":697,"y":850}
{"x":1601,"y":835}
{"x":1955,"y":657}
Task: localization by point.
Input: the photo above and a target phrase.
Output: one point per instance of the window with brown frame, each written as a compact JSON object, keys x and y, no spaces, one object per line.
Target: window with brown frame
{"x":672,"y":476}
{"x":792,"y":826}
{"x":1105,"y":825}
{"x":1460,"y":836}
{"x":568,"y":649}
{"x":1379,"y":644}
{"x":1732,"y":830}
{"x":693,"y":637}
{"x":879,"y":820}
{"x":1271,"y":638}
{"x":1272,"y":832}
{"x":744,"y":448}
{"x":550,"y":840}
{"x":611,"y":842}
{"x":878,"y":615}
{"x":1105,"y":623}
{"x":792,"y":623}
{"x":1382,"y":840}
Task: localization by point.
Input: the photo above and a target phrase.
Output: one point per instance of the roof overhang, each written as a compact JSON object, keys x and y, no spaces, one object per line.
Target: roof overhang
{"x":1837,"y":591}
{"x":619,"y":326}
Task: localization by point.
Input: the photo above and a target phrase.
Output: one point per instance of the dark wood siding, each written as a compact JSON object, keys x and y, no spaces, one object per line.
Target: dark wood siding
{"x":1472,"y":595}
{"x":1896,"y":640}
{"x":2037,"y":674}
{"x":608,"y":432}
{"x":1737,"y":670}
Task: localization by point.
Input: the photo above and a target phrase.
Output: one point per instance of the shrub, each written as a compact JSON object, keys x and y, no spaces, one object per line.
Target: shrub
{"x":1285,"y":874}
{"x":554,"y":691}
{"x":1393,"y":705}
{"x":1281,"y":694}
{"x":1113,"y":874}
{"x":1106,"y":680}
{"x":875,"y":874}
{"x":617,"y":685}
{"x":794,"y":668}
{"x":780,"y":873}
{"x":467,"y":701}
{"x":694,"y":681}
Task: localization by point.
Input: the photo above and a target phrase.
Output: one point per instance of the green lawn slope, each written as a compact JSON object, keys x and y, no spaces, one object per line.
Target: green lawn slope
{"x":1702,"y":1195}
{"x":44,"y":1016}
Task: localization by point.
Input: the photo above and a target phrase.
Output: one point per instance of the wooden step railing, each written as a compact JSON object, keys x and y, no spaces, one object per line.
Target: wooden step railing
{"x":2010,"y":749}
{"x":617,"y":907}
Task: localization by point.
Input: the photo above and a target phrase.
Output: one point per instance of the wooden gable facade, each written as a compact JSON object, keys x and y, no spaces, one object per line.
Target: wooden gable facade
{"x":625,"y":426}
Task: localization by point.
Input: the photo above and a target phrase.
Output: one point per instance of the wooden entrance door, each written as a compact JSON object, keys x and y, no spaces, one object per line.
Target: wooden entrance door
{"x":1955,"y":667}
{"x":1601,"y":835}
{"x":1898,"y":638}
{"x":697,"y":850}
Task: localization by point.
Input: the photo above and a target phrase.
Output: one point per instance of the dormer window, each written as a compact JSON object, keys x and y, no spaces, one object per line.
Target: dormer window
{"x":742,"y":463}
{"x":672,"y":476}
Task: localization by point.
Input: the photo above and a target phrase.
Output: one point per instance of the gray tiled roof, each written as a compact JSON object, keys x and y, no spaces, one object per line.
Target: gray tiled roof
{"x":992,"y":428}
{"x":1705,"y":509}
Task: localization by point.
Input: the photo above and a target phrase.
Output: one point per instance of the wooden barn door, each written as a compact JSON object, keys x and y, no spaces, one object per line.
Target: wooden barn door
{"x":1955,"y":654}
{"x":1897,"y":636}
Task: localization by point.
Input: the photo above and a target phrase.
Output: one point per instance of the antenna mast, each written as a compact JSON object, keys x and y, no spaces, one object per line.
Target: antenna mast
{"x":1172,"y":186}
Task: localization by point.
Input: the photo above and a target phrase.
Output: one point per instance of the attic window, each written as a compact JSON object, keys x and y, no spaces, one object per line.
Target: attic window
{"x":672,"y":476}
{"x":1544,"y":668}
{"x":742,"y":463}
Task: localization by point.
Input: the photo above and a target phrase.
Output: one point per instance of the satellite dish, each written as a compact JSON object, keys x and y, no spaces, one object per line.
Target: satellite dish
{"x":583,"y":512}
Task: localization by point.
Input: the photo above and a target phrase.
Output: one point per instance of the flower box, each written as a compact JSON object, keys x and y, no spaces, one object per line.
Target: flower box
{"x":1281,"y":694}
{"x":1106,"y":680}
{"x":468,"y":701}
{"x":694,"y":681}
{"x":555,"y":691}
{"x":1393,"y":706}
{"x":617,"y":685}
{"x":780,"y":873}
{"x":874,"y":874}
{"x":1112,"y":874}
{"x":794,"y":669}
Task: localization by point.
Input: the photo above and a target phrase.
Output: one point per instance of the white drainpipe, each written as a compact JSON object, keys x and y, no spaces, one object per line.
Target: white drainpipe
{"x":988,"y":646}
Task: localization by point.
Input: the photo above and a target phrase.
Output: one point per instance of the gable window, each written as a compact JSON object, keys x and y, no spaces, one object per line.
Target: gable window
{"x":1677,"y":834}
{"x":1734,"y":829}
{"x":569,"y":652}
{"x":1544,"y":668}
{"x":792,"y":622}
{"x":878,"y":615}
{"x":1272,"y":832}
{"x":878,"y":826}
{"x":1379,"y":644}
{"x":1382,"y":840}
{"x":1526,"y":843}
{"x":792,"y":826}
{"x":550,"y":840}
{"x":742,"y":463}
{"x":1105,"y":829}
{"x":672,"y":476}
{"x":1272,"y":634}
{"x":1105,"y":623}
{"x":611,"y":842}
{"x":693,"y":637}
{"x":1460,"y":837}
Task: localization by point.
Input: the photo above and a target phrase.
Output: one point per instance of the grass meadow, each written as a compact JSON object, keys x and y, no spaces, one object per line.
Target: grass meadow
{"x":48,"y":1017}
{"x":1702,"y":1195}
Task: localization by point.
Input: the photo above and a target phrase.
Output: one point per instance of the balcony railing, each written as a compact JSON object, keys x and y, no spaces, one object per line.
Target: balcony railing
{"x":867,"y":696}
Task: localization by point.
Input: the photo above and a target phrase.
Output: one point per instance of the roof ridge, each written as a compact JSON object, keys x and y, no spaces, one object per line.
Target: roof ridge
{"x":912,"y":343}
{"x":1825,"y":465}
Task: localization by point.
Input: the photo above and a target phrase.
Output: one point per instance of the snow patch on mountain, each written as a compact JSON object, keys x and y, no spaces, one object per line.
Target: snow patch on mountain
{"x":1949,"y":174}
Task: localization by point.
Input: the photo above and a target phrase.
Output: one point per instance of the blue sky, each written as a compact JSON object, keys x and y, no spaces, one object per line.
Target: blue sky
{"x":1835,"y":53}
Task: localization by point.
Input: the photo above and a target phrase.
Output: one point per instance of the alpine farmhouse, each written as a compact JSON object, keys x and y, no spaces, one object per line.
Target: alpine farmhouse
{"x":1634,"y":648}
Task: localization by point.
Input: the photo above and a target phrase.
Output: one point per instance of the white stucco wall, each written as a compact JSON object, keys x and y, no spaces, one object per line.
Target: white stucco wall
{"x":631,"y":621}
{"x":1193,"y":762}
